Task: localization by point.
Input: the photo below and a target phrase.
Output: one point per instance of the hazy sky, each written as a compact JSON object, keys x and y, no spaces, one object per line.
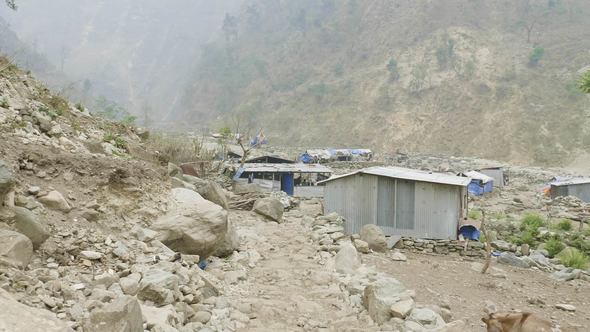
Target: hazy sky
{"x":137,"y":52}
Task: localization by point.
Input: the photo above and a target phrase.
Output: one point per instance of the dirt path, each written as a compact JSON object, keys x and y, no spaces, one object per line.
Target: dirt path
{"x":451,"y":278}
{"x":280,"y":280}
{"x":289,"y":289}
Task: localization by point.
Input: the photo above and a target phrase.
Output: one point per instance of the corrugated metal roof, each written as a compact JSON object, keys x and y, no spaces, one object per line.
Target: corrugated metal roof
{"x":286,"y":168}
{"x":409,"y":174}
{"x":478,"y":176}
{"x":568,"y":182}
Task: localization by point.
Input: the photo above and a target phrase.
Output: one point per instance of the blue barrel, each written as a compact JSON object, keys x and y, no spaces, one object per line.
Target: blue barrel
{"x":288,"y":183}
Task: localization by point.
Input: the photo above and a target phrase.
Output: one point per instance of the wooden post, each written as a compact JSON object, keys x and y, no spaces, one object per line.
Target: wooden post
{"x":486,"y":265}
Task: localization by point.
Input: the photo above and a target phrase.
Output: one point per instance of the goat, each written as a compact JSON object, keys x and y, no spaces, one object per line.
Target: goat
{"x":517,"y":322}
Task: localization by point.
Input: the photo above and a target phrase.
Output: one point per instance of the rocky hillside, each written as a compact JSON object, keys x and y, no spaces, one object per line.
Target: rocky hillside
{"x":93,"y":238}
{"x":486,"y":78}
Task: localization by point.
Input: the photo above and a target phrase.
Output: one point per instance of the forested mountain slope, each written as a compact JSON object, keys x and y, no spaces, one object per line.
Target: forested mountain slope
{"x":473,"y":77}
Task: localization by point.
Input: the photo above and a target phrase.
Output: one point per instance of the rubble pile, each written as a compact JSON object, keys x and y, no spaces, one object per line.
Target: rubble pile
{"x":377,"y":294}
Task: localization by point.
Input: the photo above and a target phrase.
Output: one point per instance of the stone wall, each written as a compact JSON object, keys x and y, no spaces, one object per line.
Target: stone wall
{"x":474,"y":248}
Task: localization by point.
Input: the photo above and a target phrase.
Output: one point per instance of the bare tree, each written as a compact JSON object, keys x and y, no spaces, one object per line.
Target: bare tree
{"x":243,"y":139}
{"x":531,"y":16}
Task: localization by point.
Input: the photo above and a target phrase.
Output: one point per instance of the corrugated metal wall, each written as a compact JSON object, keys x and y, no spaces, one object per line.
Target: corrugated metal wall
{"x":582,"y":191}
{"x":497,"y":174}
{"x":418,"y":209}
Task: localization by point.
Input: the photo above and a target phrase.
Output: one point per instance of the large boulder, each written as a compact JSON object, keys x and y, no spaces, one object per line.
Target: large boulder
{"x":427,"y":318}
{"x":193,"y":225}
{"x":123,"y":315}
{"x":15,"y":316}
{"x":55,"y":201}
{"x":347,"y":259}
{"x":158,"y":286}
{"x":270,"y":208}
{"x":381,"y":295}
{"x":201,"y":186}
{"x":230,"y":243}
{"x":374,"y":236}
{"x":216,"y":195}
{"x":6,"y":180}
{"x":160,"y":319}
{"x":509,"y":258}
{"x":178,"y":183}
{"x":15,"y":249}
{"x":28,"y":224}
{"x":454,"y":326}
{"x":174,"y":170}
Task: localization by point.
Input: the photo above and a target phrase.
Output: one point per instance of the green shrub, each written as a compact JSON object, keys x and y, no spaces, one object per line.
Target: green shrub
{"x":339,"y":69}
{"x":47,"y":111}
{"x":572,"y":257}
{"x":482,"y":238}
{"x":554,"y":247}
{"x":392,"y":68}
{"x":128,"y":120}
{"x":579,"y":242}
{"x":178,"y":149}
{"x":532,"y":222}
{"x":525,"y":237}
{"x":318,"y":90}
{"x":116,"y":140}
{"x":474,"y":214}
{"x":58,"y":104}
{"x":80,"y":107}
{"x":564,"y":225}
{"x":4,"y":103}
{"x":536,"y":55}
{"x":584,"y":83}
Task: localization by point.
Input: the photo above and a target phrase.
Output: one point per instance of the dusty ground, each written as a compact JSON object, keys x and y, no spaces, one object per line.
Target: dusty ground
{"x":450,"y":278}
{"x":290,"y":289}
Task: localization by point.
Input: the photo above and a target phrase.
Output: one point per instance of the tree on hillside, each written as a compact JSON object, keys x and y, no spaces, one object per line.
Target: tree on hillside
{"x":531,"y":14}
{"x":392,"y":68}
{"x":536,"y":55}
{"x":11,"y":4}
{"x":585,"y":82}
{"x":230,"y":27}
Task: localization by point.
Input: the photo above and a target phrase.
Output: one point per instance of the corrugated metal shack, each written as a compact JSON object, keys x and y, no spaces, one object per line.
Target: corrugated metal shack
{"x":299,"y":180}
{"x":401,"y":201}
{"x":579,"y":187}
{"x":498,"y":173}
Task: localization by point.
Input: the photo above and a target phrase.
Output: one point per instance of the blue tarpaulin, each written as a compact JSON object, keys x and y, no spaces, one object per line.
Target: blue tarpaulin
{"x":470,"y":232}
{"x":477,"y":188}
{"x":306,"y":158}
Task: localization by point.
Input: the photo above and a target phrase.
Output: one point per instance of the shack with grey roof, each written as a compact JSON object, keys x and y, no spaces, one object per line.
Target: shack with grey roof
{"x":578,"y":187}
{"x":399,"y":200}
{"x":296,"y":179}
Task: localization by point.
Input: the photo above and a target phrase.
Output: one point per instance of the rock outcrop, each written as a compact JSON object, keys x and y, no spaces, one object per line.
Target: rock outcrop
{"x":193,"y":225}
{"x":15,"y":316}
{"x":55,"y":201}
{"x":216,"y":195}
{"x":15,"y":249}
{"x":6,"y":180}
{"x":270,"y":208}
{"x":123,"y":315}
{"x":380,"y":296}
{"x":374,"y":236}
{"x":28,"y":224}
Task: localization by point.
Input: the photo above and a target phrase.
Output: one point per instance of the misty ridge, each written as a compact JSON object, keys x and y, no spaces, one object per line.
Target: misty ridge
{"x":496,"y":79}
